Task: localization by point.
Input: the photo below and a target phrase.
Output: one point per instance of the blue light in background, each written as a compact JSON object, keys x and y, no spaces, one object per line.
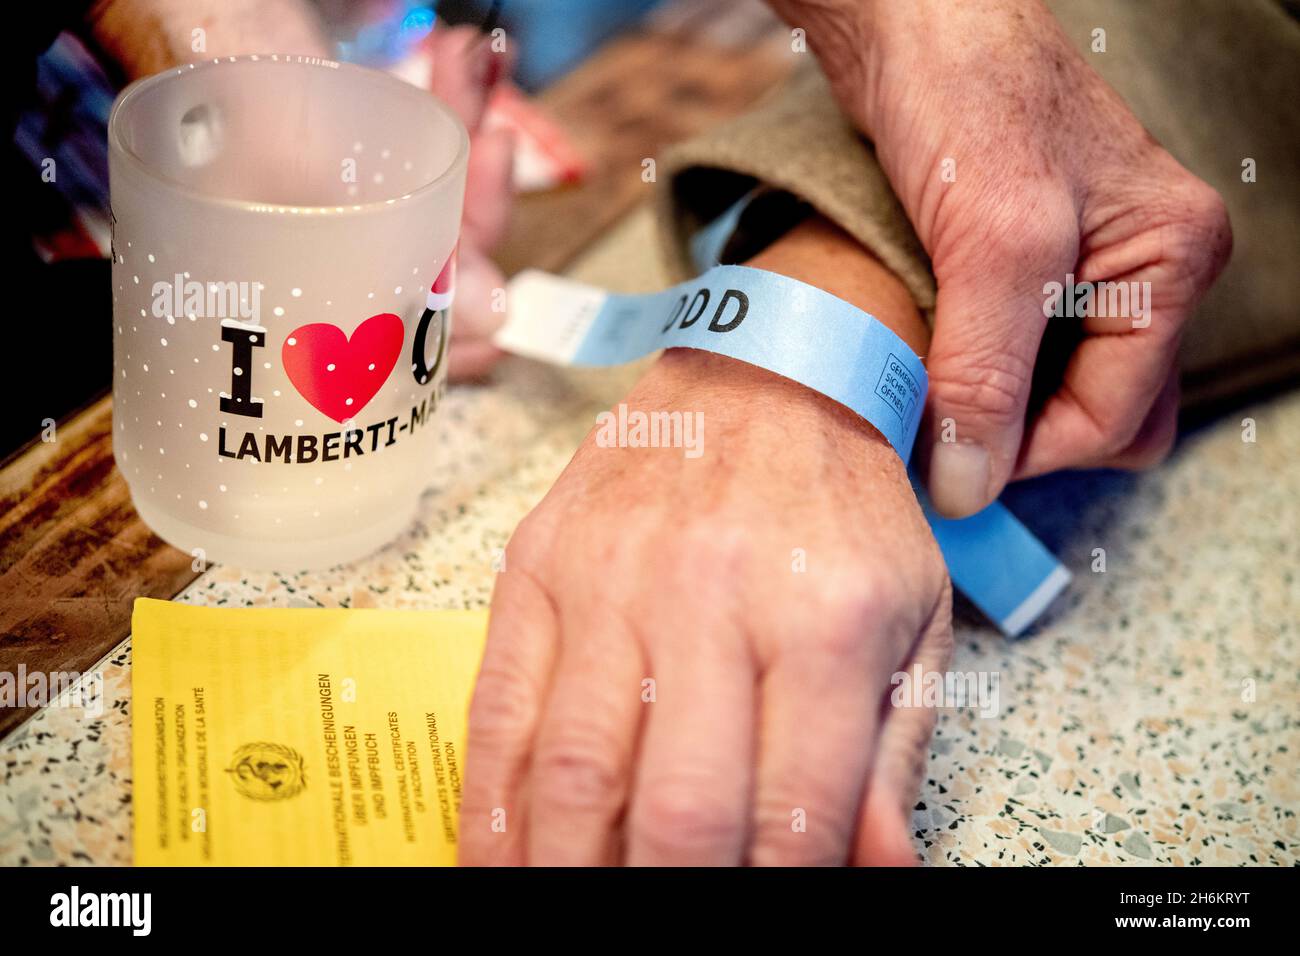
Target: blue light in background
{"x":389,"y":40}
{"x":417,"y":24}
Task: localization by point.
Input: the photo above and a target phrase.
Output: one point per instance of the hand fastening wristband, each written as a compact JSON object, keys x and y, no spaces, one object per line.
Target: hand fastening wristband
{"x":813,"y":338}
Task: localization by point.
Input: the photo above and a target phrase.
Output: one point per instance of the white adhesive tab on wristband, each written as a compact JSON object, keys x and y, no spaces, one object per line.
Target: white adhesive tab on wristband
{"x":808,"y":336}
{"x":762,"y":318}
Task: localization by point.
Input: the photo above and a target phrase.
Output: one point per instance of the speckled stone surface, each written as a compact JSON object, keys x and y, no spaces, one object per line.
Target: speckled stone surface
{"x":1153,"y":717}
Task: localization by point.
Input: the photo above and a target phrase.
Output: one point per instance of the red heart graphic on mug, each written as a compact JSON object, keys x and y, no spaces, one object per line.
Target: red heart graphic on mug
{"x":337,"y":374}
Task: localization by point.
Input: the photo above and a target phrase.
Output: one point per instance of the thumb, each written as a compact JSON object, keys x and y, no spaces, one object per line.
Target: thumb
{"x":987,"y":328}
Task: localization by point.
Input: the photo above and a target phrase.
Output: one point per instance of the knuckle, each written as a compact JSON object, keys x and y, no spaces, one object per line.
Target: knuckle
{"x":989,"y":383}
{"x":531,"y":537}
{"x":1153,"y":449}
{"x":1209,"y":213}
{"x":861,"y":599}
{"x":1199,"y":236}
{"x":823,"y":841}
{"x":676,"y":815}
{"x":1114,"y":425}
{"x":577,"y":774}
{"x":1021,"y":232}
{"x":842,"y":622}
{"x":1041,"y":239}
{"x":1116,"y":428}
{"x":776,"y":844}
{"x":832,"y":617}
{"x":503,"y":704}
{"x":1215,"y":234}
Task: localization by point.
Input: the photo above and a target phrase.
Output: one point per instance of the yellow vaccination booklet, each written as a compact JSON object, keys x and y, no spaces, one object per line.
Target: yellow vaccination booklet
{"x":287,"y":737}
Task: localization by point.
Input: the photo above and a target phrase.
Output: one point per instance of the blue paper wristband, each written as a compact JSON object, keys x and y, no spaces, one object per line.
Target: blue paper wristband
{"x":808,"y":336}
{"x":768,"y":320}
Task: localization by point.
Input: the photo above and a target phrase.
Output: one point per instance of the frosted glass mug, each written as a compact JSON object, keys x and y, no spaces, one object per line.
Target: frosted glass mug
{"x":284,"y":233}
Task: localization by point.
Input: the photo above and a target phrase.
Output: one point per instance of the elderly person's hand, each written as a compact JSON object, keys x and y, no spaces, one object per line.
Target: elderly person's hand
{"x":1018,"y":165}
{"x":689,"y":658}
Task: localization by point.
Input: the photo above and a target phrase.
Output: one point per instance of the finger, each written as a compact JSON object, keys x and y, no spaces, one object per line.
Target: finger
{"x":690,"y":801}
{"x":479,"y":284}
{"x":480,"y":297}
{"x":809,"y":784}
{"x":507,"y":703}
{"x":1121,"y":371}
{"x":465,"y":71}
{"x":1155,"y":439}
{"x":988,"y":324}
{"x":582,"y":761}
{"x":1106,"y":395}
{"x":489,"y":188}
{"x":472,"y":361}
{"x":902,"y":750}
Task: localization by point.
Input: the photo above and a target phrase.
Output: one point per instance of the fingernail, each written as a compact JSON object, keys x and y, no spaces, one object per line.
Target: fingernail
{"x":959,"y":478}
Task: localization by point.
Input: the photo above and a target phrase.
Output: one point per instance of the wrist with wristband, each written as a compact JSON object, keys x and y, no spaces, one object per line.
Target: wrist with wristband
{"x":748,"y":314}
{"x":809,"y":336}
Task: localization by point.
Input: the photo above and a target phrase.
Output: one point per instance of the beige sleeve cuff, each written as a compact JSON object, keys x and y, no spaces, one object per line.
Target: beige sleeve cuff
{"x":798,"y":142}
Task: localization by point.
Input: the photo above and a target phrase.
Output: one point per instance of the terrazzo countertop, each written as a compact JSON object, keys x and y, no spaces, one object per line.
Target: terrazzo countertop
{"x":1152,"y":717}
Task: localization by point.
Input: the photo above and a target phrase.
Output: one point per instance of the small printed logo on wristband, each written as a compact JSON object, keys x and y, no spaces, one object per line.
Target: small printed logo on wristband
{"x":810,"y":337}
